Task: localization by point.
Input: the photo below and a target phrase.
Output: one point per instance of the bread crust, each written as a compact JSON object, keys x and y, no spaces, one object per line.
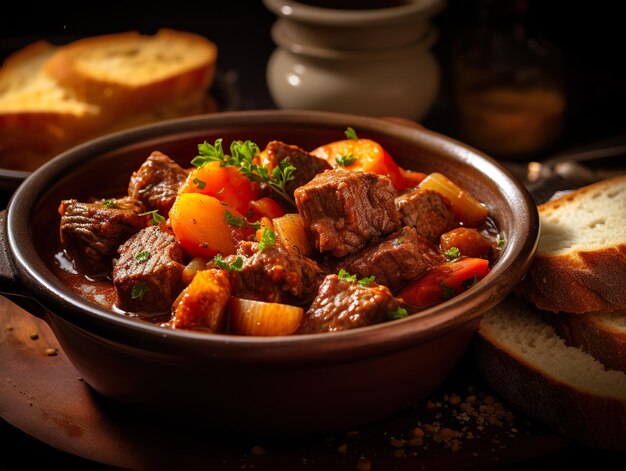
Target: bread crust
{"x":579,"y":280}
{"x":592,"y":333}
{"x":119,"y":94}
{"x":593,"y":420}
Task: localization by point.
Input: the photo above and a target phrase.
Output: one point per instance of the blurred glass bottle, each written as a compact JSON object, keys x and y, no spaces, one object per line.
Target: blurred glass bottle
{"x":508,"y":84}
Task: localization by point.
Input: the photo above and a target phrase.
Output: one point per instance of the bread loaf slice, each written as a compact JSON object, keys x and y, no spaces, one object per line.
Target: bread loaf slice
{"x":38,"y":117}
{"x":580,"y":263}
{"x":527,"y":363}
{"x":602,"y":335}
{"x":130,"y":73}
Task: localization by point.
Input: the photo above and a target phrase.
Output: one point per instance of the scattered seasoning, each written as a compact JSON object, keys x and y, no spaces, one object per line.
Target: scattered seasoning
{"x":34,"y":335}
{"x":51,"y":352}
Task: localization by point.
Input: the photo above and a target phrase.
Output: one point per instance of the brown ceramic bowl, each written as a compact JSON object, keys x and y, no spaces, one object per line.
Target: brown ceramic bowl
{"x":301,"y":383}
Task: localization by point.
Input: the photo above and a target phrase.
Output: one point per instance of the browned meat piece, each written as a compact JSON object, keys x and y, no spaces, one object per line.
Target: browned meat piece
{"x":148,"y":274}
{"x":427,"y":211}
{"x":400,"y":258}
{"x":202,"y":304}
{"x":91,"y":232}
{"x":346,"y":210}
{"x":342,"y":305}
{"x":157,"y":182}
{"x":276,"y":274}
{"x":307,"y":165}
{"x":470,"y":243}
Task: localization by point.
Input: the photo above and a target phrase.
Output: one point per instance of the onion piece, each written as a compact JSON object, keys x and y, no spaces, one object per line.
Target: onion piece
{"x":468,"y":209}
{"x":291,"y":232}
{"x":249,"y":317}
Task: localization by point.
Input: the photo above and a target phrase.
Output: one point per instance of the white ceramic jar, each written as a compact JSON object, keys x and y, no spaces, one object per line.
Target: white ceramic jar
{"x":373,"y":62}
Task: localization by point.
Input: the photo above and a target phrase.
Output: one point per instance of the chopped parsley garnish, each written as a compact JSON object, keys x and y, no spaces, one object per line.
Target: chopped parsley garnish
{"x":344,"y":275}
{"x":139,"y":290}
{"x":453,"y":253}
{"x":350,"y":133}
{"x":500,"y":241}
{"x":109,"y":204}
{"x":240,"y":222}
{"x":366,"y":281}
{"x":234,"y":266}
{"x":268,"y":239}
{"x":398,"y":313}
{"x":156,"y":217}
{"x":241,"y":156}
{"x":448,"y":292}
{"x":142,"y":256}
{"x":199,"y":183}
{"x":467,"y":284}
{"x":345,"y":160}
{"x":398,"y":241}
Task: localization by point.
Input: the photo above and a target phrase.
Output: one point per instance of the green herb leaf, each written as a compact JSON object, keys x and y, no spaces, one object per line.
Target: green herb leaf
{"x":142,"y":256}
{"x":500,"y":241}
{"x":345,"y":160}
{"x":467,"y":284}
{"x":398,"y":241}
{"x":245,"y":150}
{"x":109,"y":204}
{"x":240,"y":222}
{"x":398,"y":313}
{"x":366,"y":281}
{"x":199,"y":183}
{"x":209,"y":153}
{"x":219,"y":262}
{"x":350,"y":133}
{"x":453,"y":253}
{"x":156,"y":217}
{"x":344,"y":275}
{"x":268,"y":239}
{"x":448,"y":292}
{"x":139,"y":290}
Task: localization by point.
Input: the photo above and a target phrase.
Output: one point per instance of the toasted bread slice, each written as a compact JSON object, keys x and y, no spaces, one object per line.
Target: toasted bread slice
{"x":38,"y":117}
{"x":527,"y":363}
{"x":602,"y":335}
{"x":129,"y":73}
{"x":580,"y":264}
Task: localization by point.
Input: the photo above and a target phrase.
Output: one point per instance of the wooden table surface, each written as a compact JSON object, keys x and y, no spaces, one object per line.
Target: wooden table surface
{"x":58,"y":420}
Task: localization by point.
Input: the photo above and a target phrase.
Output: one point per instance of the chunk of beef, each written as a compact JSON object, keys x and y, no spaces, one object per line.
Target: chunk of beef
{"x":91,"y":232}
{"x":276,"y":274}
{"x":400,"y":258}
{"x":342,"y":305}
{"x":148,"y":274}
{"x":156,"y":182}
{"x":307,"y":165}
{"x":429,"y":212}
{"x":346,"y":210}
{"x":202,"y":304}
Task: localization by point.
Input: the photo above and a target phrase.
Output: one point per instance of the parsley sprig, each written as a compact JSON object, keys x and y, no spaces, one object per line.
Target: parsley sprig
{"x":241,"y":156}
{"x":350,"y":133}
{"x":345,"y":160}
{"x":344,"y":275}
{"x":219,"y":262}
{"x":453,"y":253}
{"x":240,"y":221}
{"x":397,"y":313}
{"x":156,"y":217}
{"x":268,"y":239}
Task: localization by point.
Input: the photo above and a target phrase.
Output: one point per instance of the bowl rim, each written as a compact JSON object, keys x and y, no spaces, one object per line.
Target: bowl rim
{"x":43,"y":286}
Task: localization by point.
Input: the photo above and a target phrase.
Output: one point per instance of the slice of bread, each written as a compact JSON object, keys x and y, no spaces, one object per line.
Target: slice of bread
{"x":131,"y":72}
{"x":38,"y":117}
{"x":55,"y":97}
{"x":602,"y":335}
{"x":580,"y":264}
{"x":527,"y":363}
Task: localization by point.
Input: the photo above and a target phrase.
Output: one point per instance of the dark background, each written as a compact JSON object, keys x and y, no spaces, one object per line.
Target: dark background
{"x":590,"y":36}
